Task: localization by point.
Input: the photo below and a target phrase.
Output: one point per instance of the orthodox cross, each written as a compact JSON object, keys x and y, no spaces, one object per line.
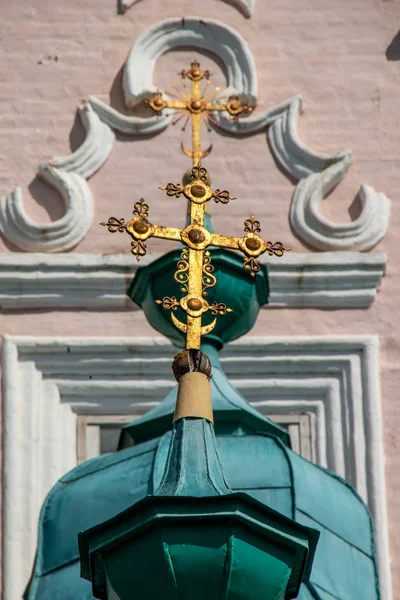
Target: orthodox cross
{"x":198,"y":106}
{"x":194,"y":269}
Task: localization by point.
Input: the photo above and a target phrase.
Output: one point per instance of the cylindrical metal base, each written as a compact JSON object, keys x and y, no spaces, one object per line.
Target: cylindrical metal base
{"x":194,"y":397}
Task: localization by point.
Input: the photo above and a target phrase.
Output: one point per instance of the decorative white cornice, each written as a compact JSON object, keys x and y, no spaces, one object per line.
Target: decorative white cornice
{"x":129,"y":125}
{"x":246,"y":7}
{"x":326,"y":280}
{"x":294,"y":156}
{"x":67,"y":175}
{"x":95,"y":149}
{"x":361,"y":234}
{"x":318,"y":173}
{"x":206,"y":34}
{"x":56,"y":236}
{"x":47,"y":382}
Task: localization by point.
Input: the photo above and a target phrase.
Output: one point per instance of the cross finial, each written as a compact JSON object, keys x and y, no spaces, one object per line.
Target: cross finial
{"x":194,"y":269}
{"x":198,"y":105}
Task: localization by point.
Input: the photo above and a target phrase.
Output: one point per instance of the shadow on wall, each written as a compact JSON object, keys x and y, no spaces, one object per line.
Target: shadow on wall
{"x":393,"y":50}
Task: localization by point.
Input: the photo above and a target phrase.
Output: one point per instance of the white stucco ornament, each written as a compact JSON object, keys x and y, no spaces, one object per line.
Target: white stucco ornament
{"x":67,"y":175}
{"x":318,"y":173}
{"x":246,"y":7}
{"x":361,"y":234}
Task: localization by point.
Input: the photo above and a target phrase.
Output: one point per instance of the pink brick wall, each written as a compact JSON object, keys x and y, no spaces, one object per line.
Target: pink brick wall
{"x":55,"y":54}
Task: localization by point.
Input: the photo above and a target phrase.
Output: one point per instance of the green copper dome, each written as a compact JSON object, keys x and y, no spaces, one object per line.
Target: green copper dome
{"x":278,"y":493}
{"x":255,"y":461}
{"x":234,"y":288}
{"x":231,"y":411}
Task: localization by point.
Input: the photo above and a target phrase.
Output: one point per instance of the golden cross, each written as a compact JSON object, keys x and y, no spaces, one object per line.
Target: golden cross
{"x":198,"y":106}
{"x":194,"y":272}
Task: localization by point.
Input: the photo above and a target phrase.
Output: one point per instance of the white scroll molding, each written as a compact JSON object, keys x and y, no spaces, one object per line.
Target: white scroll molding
{"x":206,"y":34}
{"x":319,"y":174}
{"x":361,"y":234}
{"x":324,"y":280}
{"x":294,"y":156}
{"x":47,"y":382}
{"x":246,"y":7}
{"x":95,"y":149}
{"x":67,"y":175}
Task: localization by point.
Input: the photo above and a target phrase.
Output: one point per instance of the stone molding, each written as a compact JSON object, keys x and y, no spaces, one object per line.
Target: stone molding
{"x":67,"y":175}
{"x":292,"y":154}
{"x":318,"y":173}
{"x":319,"y":280}
{"x":47,"y":382}
{"x":246,"y":7}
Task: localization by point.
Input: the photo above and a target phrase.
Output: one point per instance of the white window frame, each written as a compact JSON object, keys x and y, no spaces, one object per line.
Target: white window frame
{"x":48,"y":382}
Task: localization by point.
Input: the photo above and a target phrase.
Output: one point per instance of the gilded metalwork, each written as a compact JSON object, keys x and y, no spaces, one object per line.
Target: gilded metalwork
{"x":218,"y":308}
{"x":252,"y":225}
{"x":169,"y":302}
{"x":252,"y":265}
{"x":197,"y":190}
{"x":209,"y":280}
{"x":196,"y":237}
{"x":141,"y":209}
{"x":186,"y":328}
{"x":222,"y":196}
{"x":194,"y":304}
{"x":195,"y":73}
{"x":138,"y":249}
{"x":182,"y":274}
{"x":194,"y":272}
{"x":198,"y":105}
{"x":156,"y":102}
{"x":199,"y":172}
{"x":173,"y":189}
{"x":277,"y":249}
{"x":114,"y":224}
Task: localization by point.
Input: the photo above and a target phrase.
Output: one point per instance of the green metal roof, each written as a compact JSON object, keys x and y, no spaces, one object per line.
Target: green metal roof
{"x":231,"y":411}
{"x":255,"y":458}
{"x":257,"y":463}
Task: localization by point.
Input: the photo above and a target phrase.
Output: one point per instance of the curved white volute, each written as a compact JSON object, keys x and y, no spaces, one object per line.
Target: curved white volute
{"x":318,"y":173}
{"x":361,"y":234}
{"x":67,"y":175}
{"x":246,"y":7}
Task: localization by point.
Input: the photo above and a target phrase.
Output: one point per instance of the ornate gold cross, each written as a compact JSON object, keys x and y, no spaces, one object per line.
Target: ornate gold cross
{"x":198,"y":106}
{"x":194,"y":272}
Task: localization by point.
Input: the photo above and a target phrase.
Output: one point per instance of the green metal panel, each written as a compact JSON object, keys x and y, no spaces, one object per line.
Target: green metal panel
{"x":235,"y":288}
{"x":254,"y":459}
{"x":231,"y":411}
{"x":208,"y":529}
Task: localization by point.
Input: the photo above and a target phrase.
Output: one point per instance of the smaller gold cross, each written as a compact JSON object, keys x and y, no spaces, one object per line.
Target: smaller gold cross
{"x":194,"y":269}
{"x":194,"y":103}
